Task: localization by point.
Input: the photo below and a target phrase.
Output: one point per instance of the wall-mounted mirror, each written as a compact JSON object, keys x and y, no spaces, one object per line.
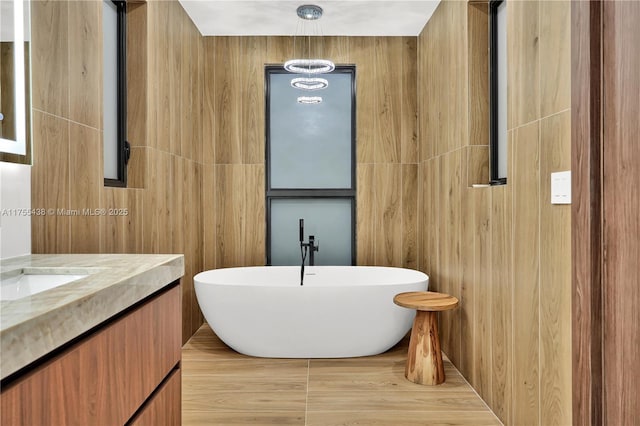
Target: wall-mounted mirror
{"x":15,"y":82}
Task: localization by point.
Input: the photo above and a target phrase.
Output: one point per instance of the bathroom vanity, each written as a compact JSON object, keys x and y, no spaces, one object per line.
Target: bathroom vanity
{"x":102,"y":349}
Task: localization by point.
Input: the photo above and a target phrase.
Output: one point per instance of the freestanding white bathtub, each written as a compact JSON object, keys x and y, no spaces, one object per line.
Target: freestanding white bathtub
{"x":340,"y":311}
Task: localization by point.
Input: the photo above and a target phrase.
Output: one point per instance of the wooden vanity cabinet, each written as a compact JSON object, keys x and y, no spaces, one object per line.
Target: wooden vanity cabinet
{"x":127,"y":370}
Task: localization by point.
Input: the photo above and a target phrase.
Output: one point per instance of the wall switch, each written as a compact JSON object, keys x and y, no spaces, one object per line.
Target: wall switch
{"x":561,"y":187}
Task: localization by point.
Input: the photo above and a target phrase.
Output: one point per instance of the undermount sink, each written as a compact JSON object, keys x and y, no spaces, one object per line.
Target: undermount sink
{"x":27,"y":282}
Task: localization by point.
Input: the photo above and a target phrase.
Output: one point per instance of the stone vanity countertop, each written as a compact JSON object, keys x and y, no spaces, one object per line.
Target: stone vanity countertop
{"x":33,"y":326}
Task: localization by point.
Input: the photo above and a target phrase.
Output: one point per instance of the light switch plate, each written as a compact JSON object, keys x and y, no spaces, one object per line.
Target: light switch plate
{"x":561,"y":187}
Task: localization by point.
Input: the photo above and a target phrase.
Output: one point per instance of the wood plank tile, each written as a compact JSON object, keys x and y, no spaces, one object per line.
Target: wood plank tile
{"x":201,"y":399}
{"x":482,"y":372}
{"x":388,"y":103}
{"x":152,"y":82}
{"x":430,"y":226}
{"x":198,"y":100}
{"x":176,"y":203}
{"x":362,"y":52}
{"x":526,"y":243}
{"x":478,"y":41}
{"x":458,"y":84}
{"x":86,"y":181}
{"x":209,"y":48}
{"x":50,"y":57}
{"x":555,"y":276}
{"x":137,"y":168}
{"x":162,"y":78}
{"x":243,"y":369}
{"x":400,"y":418}
{"x":254,"y":232}
{"x":228,"y":148}
{"x":409,"y":216}
{"x":133,"y":220}
{"x":335,"y":48}
{"x":243,"y":418}
{"x":450,"y":261}
{"x":186,"y":85}
{"x":443,"y":49}
{"x":555,"y":57}
{"x":501,"y":301}
{"x":137,"y":76}
{"x":195,"y":237}
{"x":209,"y":216}
{"x":111,"y":238}
{"x":388,"y":216}
{"x":229,"y":214}
{"x":419,"y":400}
{"x":409,"y":105}
{"x":523,"y":96}
{"x":468,"y":283}
{"x":164,"y":206}
{"x":172,"y":12}
{"x":374,"y":374}
{"x":150,"y":205}
{"x":365,"y":214}
{"x":280,"y":49}
{"x":214,"y":376}
{"x":477,"y":158}
{"x":223,"y":385}
{"x":50,"y":184}
{"x":85,"y":63}
{"x":251,"y":131}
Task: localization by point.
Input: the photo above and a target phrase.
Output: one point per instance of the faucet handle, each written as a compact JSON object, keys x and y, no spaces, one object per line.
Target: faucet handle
{"x":314,"y":243}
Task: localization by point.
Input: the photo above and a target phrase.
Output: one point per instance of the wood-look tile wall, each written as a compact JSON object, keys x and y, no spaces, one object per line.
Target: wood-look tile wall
{"x":234,"y":146}
{"x":504,"y":250}
{"x":164,"y":197}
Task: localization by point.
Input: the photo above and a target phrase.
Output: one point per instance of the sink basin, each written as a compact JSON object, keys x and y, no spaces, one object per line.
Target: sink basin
{"x":27,"y":283}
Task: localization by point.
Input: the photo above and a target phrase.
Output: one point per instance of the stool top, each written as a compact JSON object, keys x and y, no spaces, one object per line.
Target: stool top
{"x":425,"y":301}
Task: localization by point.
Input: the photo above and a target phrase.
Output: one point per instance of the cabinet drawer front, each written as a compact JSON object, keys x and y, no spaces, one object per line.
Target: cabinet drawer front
{"x":165,"y":406}
{"x":104,"y":378}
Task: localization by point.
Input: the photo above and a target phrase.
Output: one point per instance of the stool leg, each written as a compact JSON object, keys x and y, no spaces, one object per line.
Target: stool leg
{"x":424,"y":363}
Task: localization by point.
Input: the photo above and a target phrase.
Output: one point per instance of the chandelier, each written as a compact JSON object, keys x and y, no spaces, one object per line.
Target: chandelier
{"x":309,"y":66}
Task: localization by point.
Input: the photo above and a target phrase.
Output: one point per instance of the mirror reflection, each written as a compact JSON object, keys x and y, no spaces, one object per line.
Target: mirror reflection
{"x":14,"y":79}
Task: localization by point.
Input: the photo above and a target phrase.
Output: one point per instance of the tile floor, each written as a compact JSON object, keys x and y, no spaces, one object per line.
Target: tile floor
{"x":222,"y":387}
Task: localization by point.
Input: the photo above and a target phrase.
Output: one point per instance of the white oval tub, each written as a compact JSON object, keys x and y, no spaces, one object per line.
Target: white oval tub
{"x":340,"y":311}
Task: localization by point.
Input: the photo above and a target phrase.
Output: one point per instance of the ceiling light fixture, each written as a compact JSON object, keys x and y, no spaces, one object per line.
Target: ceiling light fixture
{"x":310,"y":83}
{"x":309,"y":99}
{"x":309,"y":66}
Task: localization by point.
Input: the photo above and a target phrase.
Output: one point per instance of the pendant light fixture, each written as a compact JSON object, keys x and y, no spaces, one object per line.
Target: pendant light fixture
{"x":309,"y":66}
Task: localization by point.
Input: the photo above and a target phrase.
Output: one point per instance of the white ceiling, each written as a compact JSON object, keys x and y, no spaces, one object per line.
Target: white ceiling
{"x":278,"y":17}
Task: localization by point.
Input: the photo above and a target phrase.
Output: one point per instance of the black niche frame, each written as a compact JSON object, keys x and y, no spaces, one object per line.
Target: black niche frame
{"x":495,"y":178}
{"x":123,"y":146}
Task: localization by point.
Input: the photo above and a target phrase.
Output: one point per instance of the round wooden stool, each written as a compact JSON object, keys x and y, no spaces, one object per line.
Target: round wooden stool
{"x":424,"y":364}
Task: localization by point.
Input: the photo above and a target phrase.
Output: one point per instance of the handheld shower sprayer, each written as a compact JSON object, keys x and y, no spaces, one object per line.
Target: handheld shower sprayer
{"x":301,"y":230}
